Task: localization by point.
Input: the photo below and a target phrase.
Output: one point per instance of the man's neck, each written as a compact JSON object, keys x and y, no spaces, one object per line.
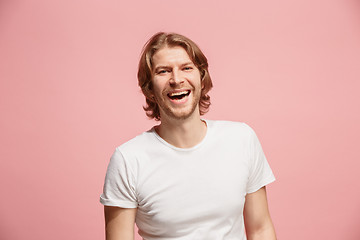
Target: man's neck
{"x":182,"y":133}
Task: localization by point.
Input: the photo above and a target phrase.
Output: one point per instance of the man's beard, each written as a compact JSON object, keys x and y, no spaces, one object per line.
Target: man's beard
{"x":179,"y":115}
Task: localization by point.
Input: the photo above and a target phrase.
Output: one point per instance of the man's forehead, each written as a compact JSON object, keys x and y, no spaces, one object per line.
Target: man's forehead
{"x":169,"y":55}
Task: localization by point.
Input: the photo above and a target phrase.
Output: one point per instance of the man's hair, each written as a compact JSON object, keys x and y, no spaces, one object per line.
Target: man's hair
{"x":145,"y":71}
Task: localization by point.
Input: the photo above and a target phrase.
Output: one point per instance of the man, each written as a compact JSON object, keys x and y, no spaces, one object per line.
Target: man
{"x":187,"y":178}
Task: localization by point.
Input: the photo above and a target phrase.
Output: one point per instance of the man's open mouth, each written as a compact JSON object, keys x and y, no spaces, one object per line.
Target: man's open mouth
{"x":178,"y":95}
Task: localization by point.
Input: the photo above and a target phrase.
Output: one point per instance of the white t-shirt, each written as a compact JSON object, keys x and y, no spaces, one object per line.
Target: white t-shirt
{"x":192,"y":193}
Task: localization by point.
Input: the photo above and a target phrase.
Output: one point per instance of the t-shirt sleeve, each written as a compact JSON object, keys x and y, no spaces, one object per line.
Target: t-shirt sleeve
{"x":260,"y":171}
{"x":119,"y":187}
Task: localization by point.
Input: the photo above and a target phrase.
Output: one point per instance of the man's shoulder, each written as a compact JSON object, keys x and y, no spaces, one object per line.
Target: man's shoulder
{"x":137,"y":142}
{"x":231,"y":129}
{"x":232,"y":133}
{"x":230,"y":125}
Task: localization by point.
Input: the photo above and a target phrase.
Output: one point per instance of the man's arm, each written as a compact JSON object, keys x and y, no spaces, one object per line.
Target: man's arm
{"x":119,"y":223}
{"x":257,"y":218}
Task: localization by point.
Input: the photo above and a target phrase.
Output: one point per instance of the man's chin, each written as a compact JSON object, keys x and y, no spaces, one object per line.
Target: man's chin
{"x":178,"y":114}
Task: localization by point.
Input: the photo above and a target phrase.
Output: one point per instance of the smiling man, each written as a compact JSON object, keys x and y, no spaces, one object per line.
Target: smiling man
{"x":186,"y":178}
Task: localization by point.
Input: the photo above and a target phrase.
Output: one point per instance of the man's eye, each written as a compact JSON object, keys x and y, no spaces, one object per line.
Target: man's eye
{"x":187,"y":68}
{"x":162,"y":71}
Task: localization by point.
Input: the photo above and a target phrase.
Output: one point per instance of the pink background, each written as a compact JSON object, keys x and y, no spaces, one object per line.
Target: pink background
{"x":69,"y":96}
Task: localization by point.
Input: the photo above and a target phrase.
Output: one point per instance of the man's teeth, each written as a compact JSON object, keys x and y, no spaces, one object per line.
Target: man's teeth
{"x":178,"y":93}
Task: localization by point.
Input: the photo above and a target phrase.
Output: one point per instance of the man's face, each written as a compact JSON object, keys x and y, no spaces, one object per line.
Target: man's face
{"x":176,"y":83}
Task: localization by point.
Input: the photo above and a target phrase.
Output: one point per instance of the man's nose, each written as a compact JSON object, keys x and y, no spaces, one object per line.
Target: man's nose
{"x":176,"y":77}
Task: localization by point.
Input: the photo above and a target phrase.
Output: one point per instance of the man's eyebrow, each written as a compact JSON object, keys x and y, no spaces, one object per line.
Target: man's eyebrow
{"x":187,"y":63}
{"x":159,"y":67}
{"x":164,"y":66}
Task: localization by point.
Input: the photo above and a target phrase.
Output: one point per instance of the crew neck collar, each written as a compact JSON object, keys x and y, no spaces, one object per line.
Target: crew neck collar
{"x":208,"y":130}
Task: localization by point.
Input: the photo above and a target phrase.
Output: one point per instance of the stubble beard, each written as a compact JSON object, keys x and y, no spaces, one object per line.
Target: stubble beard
{"x":178,"y":115}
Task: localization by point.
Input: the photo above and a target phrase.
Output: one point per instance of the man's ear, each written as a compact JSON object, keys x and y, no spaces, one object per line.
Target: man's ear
{"x":151,"y":97}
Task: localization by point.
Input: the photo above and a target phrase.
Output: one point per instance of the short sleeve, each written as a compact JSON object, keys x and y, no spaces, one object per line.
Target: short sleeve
{"x":119,"y":187}
{"x":260,"y":171}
